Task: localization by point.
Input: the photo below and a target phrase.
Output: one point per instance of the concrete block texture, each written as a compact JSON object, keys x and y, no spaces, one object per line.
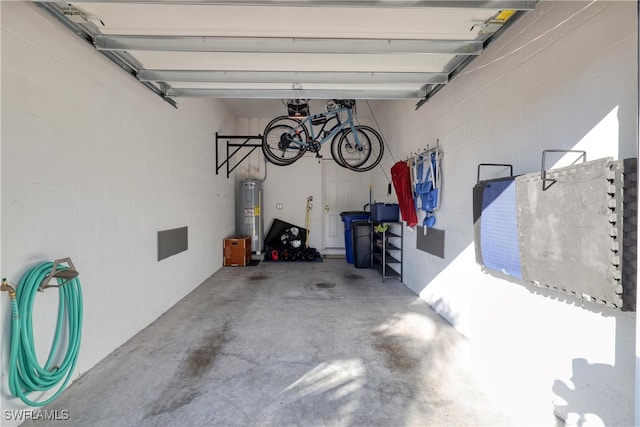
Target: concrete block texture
{"x":93,"y":166}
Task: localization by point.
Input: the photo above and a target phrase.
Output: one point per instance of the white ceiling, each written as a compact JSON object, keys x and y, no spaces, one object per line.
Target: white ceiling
{"x":271,"y":50}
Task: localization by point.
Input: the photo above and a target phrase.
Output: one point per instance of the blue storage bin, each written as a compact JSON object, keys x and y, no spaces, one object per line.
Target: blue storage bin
{"x":385,"y":212}
{"x":348,"y":218}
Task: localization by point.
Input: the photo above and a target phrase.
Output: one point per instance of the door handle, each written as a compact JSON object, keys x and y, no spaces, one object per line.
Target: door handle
{"x":326,"y":208}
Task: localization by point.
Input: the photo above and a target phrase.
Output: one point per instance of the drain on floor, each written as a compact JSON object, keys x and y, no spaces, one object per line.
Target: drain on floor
{"x":258,"y":277}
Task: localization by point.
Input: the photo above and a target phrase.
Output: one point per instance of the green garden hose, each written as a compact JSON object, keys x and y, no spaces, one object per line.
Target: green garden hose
{"x":26,"y":375}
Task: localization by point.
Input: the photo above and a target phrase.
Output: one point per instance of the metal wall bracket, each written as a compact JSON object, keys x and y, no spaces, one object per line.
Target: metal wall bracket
{"x":505,"y":165}
{"x":65,"y":274}
{"x":233,"y":148}
{"x":543,"y":171}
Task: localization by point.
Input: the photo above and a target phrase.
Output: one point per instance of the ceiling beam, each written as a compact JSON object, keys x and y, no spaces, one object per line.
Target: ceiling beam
{"x":122,"y":59}
{"x":347,"y":77}
{"x":465,"y":4}
{"x":456,"y":65}
{"x":286,"y":45}
{"x":296,"y":93}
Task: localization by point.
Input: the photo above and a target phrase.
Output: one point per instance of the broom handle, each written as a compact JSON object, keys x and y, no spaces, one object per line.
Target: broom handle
{"x":307,"y":221}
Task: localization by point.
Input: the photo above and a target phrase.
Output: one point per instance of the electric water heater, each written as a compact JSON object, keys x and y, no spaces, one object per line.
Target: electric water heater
{"x":249,"y":218}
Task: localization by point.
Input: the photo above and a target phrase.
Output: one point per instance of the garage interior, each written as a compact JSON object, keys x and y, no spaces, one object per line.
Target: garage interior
{"x":110,"y":137}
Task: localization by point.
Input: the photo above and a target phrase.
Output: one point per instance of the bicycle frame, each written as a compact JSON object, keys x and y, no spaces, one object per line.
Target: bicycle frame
{"x":329,"y":115}
{"x":353,"y":146}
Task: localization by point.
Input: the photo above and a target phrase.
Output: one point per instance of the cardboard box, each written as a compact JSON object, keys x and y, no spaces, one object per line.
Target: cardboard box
{"x":237,"y":251}
{"x":389,"y":212}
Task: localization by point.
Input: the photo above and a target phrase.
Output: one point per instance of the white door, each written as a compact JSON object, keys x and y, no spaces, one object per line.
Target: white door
{"x":344,"y":190}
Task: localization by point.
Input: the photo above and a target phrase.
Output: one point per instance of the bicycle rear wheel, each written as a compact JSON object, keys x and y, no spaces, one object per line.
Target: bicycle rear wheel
{"x":363,"y":157}
{"x":284,"y":141}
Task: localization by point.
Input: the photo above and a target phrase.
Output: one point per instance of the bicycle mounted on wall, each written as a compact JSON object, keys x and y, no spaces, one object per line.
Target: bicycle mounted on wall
{"x":355,"y":147}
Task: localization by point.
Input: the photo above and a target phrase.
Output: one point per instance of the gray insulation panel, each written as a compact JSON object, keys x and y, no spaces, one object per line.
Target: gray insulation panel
{"x":171,"y":242}
{"x":577,"y":230}
{"x":432,"y":241}
{"x":567,"y":230}
{"x":626,"y":253}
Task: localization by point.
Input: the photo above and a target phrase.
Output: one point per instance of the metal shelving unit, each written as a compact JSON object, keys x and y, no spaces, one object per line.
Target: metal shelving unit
{"x":386,"y":249}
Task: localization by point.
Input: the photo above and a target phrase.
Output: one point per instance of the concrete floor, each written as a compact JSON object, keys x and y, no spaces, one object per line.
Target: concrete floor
{"x":287,"y":344}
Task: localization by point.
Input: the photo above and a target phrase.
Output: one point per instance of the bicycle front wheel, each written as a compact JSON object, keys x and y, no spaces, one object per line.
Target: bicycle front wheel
{"x":334,"y":147}
{"x":363,"y":154}
{"x":284,"y":141}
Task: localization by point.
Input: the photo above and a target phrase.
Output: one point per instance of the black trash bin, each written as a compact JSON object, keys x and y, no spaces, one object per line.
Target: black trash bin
{"x":361,"y":244}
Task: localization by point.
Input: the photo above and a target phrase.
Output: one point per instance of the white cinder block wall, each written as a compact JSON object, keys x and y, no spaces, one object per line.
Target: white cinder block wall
{"x":93,"y":166}
{"x":563,"y":77}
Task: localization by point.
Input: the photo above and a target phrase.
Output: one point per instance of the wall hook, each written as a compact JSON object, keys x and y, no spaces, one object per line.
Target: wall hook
{"x":64,"y":273}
